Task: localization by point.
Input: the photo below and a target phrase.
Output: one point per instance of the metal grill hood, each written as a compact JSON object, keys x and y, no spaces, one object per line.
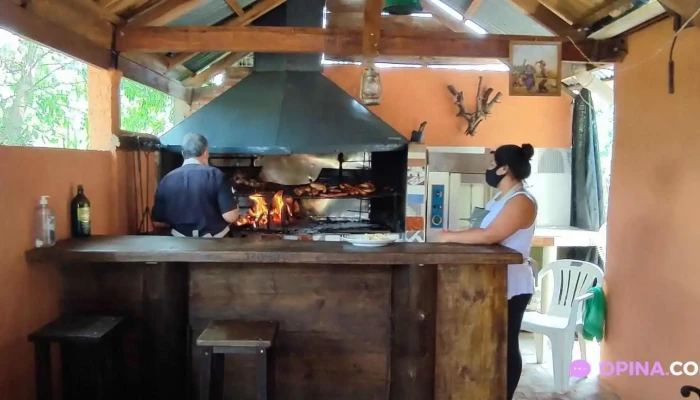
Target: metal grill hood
{"x":287,"y":106}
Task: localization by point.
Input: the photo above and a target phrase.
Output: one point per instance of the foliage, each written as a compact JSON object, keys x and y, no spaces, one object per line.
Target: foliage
{"x":43,"y":96}
{"x":44,"y":101}
{"x":145,"y":110}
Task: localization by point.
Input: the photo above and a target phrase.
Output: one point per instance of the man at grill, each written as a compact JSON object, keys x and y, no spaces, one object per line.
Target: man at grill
{"x":195,"y":200}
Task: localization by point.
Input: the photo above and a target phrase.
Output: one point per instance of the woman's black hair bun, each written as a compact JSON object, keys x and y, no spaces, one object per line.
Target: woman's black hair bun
{"x":528,"y":150}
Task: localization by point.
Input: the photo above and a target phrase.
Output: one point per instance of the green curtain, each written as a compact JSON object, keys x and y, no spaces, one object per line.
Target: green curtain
{"x":587,"y":209}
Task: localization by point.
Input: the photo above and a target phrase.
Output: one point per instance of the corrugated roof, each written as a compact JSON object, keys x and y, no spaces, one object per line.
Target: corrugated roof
{"x":201,"y":60}
{"x":501,"y":17}
{"x":211,"y":12}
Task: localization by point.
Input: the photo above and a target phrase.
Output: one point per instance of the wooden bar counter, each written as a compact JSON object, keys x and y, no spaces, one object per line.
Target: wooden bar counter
{"x":410,"y":321}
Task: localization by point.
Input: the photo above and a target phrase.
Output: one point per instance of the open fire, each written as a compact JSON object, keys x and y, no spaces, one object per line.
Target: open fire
{"x":283,"y":209}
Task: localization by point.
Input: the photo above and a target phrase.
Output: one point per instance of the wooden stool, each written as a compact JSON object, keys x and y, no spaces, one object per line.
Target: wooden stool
{"x":94,"y":335}
{"x":236,"y":337}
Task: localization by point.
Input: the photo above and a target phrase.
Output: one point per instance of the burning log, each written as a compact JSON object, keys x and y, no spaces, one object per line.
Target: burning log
{"x":483,"y":106}
{"x":260,"y":214}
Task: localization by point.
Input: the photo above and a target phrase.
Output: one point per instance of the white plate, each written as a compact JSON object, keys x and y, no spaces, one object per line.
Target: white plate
{"x":363,"y":241}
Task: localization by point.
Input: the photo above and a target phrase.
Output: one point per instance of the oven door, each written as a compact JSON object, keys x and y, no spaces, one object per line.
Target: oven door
{"x":466,"y":191}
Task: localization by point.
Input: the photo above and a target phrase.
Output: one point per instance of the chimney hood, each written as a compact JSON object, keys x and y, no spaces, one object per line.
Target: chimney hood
{"x":287,"y":106}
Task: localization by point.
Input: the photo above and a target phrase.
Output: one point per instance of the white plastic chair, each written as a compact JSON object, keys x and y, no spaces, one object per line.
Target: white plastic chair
{"x":572,"y":279}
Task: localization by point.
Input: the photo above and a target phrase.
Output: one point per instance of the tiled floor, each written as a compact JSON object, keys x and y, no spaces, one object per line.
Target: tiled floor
{"x":537,"y":383}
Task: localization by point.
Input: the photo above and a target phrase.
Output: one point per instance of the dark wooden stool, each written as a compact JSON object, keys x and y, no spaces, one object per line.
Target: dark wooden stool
{"x":237,"y":337}
{"x":94,"y":337}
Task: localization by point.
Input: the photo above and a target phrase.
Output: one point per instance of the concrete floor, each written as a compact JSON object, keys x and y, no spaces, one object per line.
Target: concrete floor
{"x":537,"y":381}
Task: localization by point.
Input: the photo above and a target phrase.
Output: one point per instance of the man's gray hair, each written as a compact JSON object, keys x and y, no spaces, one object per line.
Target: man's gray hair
{"x":194,"y":145}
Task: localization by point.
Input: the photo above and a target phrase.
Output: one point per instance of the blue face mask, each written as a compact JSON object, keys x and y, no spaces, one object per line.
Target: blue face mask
{"x":492,"y":178}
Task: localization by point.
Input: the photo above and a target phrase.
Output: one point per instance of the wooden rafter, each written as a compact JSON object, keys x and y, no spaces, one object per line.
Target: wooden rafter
{"x":333,"y":42}
{"x":235,"y":6}
{"x":548,"y":19}
{"x":164,"y":12}
{"x":684,"y":8}
{"x":370,"y":32}
{"x":601,"y":12}
{"x":100,"y":11}
{"x":22,"y":22}
{"x":204,"y":76}
{"x":472,"y":9}
{"x":258,"y":10}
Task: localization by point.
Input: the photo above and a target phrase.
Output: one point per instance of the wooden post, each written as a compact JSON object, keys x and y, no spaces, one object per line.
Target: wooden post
{"x":103,"y":106}
{"x":471,"y":340}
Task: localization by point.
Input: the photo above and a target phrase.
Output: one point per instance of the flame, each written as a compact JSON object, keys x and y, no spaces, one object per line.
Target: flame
{"x":259,"y":212}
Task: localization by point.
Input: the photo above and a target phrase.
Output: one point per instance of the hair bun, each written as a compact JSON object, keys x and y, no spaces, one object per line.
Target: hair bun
{"x":528,"y":150}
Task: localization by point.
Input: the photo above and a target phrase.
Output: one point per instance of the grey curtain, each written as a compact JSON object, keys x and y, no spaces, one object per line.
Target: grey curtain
{"x":587,"y":210}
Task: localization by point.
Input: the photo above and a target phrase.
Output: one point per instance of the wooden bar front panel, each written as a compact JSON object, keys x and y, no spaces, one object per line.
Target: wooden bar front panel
{"x":334,"y":321}
{"x":472,"y":321}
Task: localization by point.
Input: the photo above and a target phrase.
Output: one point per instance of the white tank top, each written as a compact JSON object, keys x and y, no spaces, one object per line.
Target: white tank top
{"x":520,"y":277}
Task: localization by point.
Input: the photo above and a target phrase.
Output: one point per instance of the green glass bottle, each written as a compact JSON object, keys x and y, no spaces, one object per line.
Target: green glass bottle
{"x":80,"y":214}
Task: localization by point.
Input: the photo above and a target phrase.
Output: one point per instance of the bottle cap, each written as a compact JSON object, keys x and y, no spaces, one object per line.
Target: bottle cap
{"x":44,"y":200}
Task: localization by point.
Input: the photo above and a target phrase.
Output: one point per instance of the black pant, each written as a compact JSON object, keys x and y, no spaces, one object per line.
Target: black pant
{"x":516,"y":310}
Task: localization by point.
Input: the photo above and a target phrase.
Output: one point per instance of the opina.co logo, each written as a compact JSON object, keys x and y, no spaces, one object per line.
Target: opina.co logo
{"x":581,"y":368}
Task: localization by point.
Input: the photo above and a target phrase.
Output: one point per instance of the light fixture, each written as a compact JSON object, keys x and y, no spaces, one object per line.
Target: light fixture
{"x":474,"y":27}
{"x":371,"y":87}
{"x":448,"y":10}
{"x":402,"y":7}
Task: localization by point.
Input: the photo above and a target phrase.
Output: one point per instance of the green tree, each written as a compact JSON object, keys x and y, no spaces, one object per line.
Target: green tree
{"x":43,"y":99}
{"x":145,"y":110}
{"x":43,"y":96}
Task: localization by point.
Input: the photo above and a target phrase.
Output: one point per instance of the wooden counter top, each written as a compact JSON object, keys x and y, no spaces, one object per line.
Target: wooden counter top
{"x":173,"y":249}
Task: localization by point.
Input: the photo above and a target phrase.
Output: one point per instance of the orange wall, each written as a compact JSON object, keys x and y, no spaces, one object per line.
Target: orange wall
{"x":411,"y":96}
{"x":29,"y":293}
{"x":654,"y":219}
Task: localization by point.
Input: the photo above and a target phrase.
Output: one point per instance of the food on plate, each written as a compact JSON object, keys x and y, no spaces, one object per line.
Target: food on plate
{"x":377,"y":236}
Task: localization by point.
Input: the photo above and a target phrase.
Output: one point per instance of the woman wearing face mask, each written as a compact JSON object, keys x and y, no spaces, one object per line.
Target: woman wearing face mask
{"x":508,"y":219}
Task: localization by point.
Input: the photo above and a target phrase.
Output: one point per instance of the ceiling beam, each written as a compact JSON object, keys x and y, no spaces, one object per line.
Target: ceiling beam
{"x":223,"y":63}
{"x":370,"y":32}
{"x":22,"y":22}
{"x":390,"y":23}
{"x":235,"y":6}
{"x":472,"y":9}
{"x":336,"y":42}
{"x":18,"y":20}
{"x":601,"y":12}
{"x":548,"y":19}
{"x":100,"y":11}
{"x":164,"y":12}
{"x":258,"y":10}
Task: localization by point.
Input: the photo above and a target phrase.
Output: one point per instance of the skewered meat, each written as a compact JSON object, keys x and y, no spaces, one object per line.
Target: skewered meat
{"x":318,"y":187}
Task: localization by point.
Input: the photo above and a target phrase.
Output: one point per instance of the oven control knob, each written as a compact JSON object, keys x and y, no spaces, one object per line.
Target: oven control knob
{"x":437,"y":220}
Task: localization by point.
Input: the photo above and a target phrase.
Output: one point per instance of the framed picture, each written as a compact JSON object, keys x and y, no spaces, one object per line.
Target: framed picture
{"x":535,"y":68}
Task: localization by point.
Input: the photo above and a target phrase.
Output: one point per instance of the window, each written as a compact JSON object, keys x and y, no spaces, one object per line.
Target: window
{"x":43,"y":96}
{"x":146,"y":110}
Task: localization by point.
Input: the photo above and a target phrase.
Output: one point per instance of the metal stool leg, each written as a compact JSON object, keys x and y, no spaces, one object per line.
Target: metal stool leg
{"x":205,"y":373}
{"x":42,"y":361}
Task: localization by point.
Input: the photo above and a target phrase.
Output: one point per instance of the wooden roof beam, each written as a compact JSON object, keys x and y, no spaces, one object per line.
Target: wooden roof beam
{"x":547,"y":18}
{"x":371,"y":29}
{"x":338,"y":42}
{"x":471,"y":10}
{"x":164,"y":12}
{"x":601,"y":12}
{"x":235,"y":6}
{"x":22,"y":22}
{"x":258,"y":10}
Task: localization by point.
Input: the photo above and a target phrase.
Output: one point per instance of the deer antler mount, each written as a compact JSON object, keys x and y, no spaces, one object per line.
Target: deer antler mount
{"x":483,"y":106}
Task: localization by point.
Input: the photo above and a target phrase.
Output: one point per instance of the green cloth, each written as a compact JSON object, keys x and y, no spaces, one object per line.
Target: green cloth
{"x":594,"y":315}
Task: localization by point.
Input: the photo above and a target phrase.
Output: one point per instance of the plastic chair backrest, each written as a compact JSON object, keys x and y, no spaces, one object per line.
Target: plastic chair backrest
{"x":572,"y":278}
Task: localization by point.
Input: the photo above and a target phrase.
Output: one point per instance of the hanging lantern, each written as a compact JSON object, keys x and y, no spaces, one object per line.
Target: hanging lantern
{"x":371,"y":87}
{"x":402,"y":7}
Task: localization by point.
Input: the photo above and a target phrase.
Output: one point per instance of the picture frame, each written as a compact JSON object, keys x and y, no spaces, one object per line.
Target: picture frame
{"x":529,"y":62}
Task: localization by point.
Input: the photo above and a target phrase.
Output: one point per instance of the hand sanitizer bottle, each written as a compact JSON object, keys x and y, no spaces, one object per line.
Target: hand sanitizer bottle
{"x":45,"y":229}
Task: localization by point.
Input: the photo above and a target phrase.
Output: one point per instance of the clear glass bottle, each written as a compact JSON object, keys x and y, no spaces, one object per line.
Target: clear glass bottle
{"x":45,"y":224}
